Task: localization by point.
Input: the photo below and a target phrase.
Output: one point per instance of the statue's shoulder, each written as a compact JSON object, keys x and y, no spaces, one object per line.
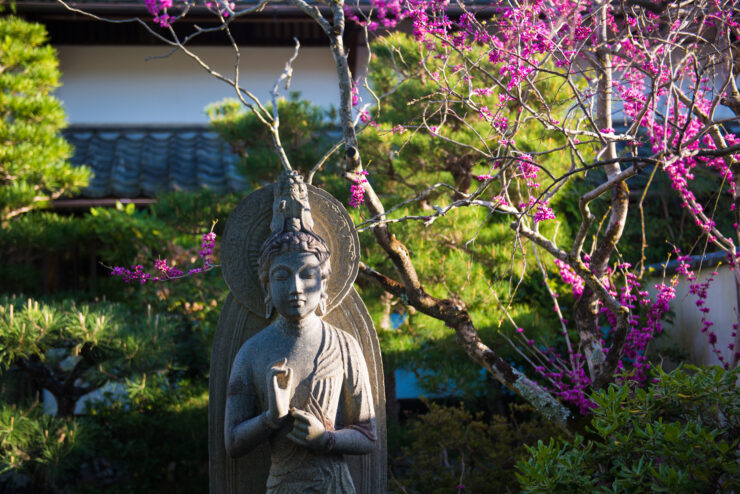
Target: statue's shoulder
{"x":254,"y":343}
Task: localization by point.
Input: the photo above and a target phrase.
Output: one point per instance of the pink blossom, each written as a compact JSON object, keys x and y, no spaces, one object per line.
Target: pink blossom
{"x":357,"y":190}
{"x":166,"y":272}
{"x":543,"y":212}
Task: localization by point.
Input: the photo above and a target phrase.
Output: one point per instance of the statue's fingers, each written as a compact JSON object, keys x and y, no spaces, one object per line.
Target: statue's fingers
{"x":275,"y":383}
{"x":300,"y":423}
{"x":276,"y":371}
{"x":300,"y":415}
{"x":297,"y":438}
{"x":301,"y":427}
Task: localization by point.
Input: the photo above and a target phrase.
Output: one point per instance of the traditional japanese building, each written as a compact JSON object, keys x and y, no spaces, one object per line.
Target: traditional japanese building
{"x":136,"y":107}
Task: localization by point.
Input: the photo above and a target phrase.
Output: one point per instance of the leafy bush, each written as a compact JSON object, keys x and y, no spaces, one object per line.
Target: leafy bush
{"x":681,"y":434}
{"x":64,"y":253}
{"x":450,"y":448}
{"x":154,"y":440}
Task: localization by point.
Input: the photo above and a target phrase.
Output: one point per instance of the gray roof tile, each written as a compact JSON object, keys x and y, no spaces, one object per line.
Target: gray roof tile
{"x":143,"y":161}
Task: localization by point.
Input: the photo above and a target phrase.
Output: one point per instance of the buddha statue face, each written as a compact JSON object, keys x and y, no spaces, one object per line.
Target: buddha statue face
{"x":294,"y":270}
{"x":296,"y":286}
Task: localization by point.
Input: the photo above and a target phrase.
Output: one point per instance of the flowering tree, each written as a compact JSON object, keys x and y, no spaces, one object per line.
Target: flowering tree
{"x":635,"y":87}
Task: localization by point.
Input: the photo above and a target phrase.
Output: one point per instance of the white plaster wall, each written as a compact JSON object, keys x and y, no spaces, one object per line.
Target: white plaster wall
{"x":118,"y":85}
{"x":685,"y":329}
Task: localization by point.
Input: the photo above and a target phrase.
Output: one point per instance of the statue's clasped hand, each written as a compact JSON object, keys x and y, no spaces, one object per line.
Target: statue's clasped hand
{"x":308,"y":431}
{"x":279,"y":391}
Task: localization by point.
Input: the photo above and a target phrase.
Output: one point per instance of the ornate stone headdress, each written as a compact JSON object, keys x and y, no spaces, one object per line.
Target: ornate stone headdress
{"x":290,"y":208}
{"x":292,"y":230}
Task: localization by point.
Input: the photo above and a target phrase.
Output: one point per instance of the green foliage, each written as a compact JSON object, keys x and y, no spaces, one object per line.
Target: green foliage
{"x":88,"y":342}
{"x":305,"y":133}
{"x":189,"y":213}
{"x":154,"y":435}
{"x":33,"y":155}
{"x":124,"y":235}
{"x":123,"y":232}
{"x":682,"y":434}
{"x":449,"y":446}
{"x":37,"y":451}
{"x":407,"y":162}
{"x":470,"y":255}
{"x":152,"y":439}
{"x":158,"y":437}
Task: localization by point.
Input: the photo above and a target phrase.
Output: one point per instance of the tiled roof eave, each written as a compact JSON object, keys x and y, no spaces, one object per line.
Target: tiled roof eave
{"x":137,"y":162}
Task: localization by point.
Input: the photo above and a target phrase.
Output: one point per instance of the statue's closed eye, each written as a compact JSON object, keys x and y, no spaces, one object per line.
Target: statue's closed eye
{"x":280,"y":274}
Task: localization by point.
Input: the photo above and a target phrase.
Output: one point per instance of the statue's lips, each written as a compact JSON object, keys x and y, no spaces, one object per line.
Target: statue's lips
{"x":297,"y":301}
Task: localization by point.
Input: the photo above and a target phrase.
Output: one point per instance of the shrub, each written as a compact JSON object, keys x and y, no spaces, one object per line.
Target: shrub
{"x":152,"y":438}
{"x":451,"y":449}
{"x":681,"y":434}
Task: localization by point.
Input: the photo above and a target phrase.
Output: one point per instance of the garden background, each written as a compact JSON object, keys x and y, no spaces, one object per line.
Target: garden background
{"x":70,"y":328}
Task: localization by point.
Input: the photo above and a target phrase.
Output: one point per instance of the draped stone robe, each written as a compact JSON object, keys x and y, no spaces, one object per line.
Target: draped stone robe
{"x":333,"y":386}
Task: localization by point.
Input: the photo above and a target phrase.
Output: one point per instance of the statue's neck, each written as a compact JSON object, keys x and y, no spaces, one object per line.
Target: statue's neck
{"x":300,"y":327}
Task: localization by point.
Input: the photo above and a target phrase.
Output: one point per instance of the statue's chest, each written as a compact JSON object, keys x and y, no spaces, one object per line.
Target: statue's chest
{"x":315,"y":369}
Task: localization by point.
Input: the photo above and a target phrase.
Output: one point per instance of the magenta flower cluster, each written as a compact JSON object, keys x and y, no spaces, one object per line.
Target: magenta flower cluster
{"x":158,"y":10}
{"x":520,"y":35}
{"x":161,"y":13}
{"x":569,"y":379}
{"x":570,"y":277}
{"x":163,"y":271}
{"x":648,"y":77}
{"x":357,"y":190}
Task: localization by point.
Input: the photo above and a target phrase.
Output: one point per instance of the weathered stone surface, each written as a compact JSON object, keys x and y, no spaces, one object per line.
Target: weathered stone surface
{"x":335,"y":379}
{"x":248,"y":227}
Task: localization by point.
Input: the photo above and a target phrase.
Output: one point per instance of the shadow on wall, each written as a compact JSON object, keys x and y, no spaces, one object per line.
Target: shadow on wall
{"x":684,"y":328}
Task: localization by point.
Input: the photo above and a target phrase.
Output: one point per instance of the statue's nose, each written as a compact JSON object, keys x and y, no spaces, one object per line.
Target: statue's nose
{"x":296,"y":285}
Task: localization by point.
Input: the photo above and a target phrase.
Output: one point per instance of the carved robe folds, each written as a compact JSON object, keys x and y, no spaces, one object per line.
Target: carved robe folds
{"x":338,"y":394}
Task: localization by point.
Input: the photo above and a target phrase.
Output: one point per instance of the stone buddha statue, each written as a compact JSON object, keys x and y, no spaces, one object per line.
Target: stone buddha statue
{"x":301,"y":385}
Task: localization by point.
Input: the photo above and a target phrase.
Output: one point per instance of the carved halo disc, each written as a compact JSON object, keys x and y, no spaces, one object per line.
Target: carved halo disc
{"x":248,"y":227}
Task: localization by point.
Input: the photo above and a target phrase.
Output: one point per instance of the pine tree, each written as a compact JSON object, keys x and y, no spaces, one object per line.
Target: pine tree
{"x":33,"y":155}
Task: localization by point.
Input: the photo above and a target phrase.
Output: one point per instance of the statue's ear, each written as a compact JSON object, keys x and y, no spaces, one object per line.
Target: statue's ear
{"x":321,"y":309}
{"x":268,"y":300}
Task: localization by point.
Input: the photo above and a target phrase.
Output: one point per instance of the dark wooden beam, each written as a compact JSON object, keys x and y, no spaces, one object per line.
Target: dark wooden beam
{"x":106,"y":202}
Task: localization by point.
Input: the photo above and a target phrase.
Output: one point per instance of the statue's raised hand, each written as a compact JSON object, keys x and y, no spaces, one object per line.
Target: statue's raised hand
{"x":279,"y":391}
{"x":308,"y":431}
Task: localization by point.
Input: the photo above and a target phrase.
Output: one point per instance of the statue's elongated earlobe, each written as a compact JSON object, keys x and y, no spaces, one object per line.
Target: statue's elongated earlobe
{"x":268,"y":307}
